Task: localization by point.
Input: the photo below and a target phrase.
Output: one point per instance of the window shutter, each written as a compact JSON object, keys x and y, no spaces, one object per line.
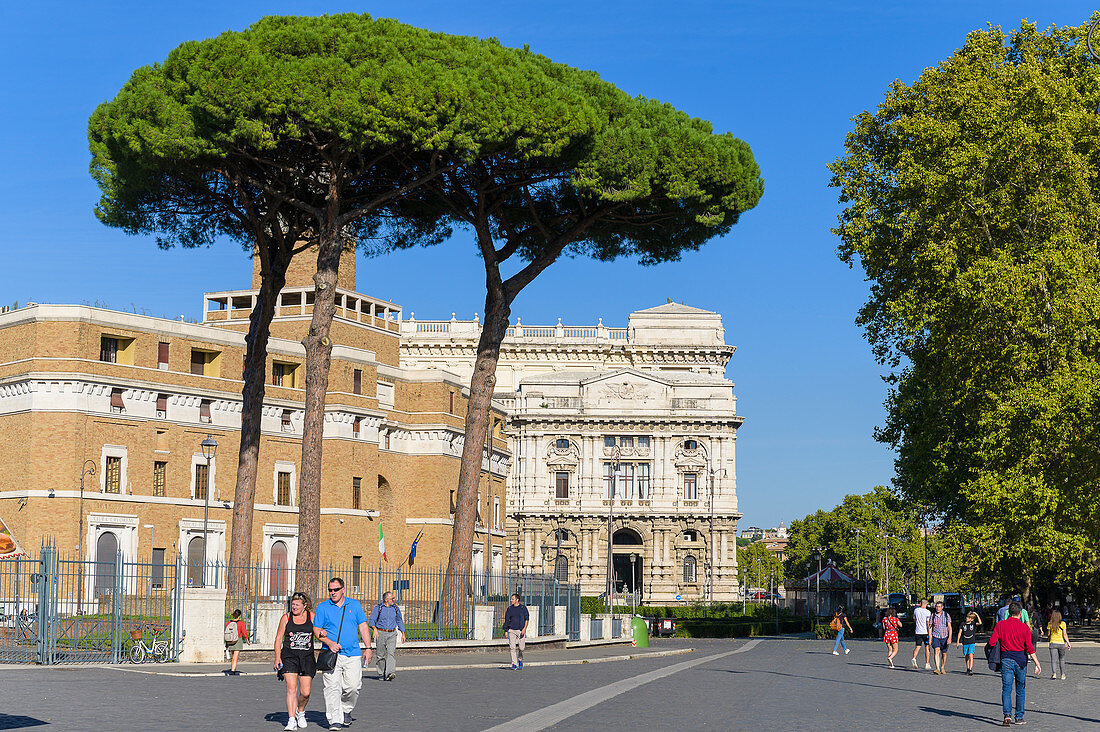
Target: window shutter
{"x":162,"y":402}
{"x":162,"y":353}
{"x":116,"y":398}
{"x":357,"y":382}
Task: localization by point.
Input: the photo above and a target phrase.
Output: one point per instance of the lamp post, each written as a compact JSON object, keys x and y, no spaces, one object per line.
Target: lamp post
{"x":87,"y":469}
{"x":711,"y":553}
{"x":808,"y":606}
{"x":616,"y":454}
{"x":209,"y":448}
{"x":817,"y":592}
{"x":633,"y":586}
{"x":866,"y":578}
{"x":924,"y":528}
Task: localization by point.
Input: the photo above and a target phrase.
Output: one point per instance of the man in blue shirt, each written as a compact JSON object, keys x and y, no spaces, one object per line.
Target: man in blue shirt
{"x":340,"y":622}
{"x":386,"y":622}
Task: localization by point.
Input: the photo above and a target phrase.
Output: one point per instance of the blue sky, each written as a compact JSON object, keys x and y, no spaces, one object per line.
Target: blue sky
{"x":784,"y":76}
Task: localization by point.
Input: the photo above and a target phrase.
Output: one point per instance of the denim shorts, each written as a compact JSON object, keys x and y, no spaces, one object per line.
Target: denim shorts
{"x":940,"y":642}
{"x":968,"y":649}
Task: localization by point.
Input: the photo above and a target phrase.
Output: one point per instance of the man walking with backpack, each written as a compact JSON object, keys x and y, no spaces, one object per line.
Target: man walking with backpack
{"x":386,"y":623}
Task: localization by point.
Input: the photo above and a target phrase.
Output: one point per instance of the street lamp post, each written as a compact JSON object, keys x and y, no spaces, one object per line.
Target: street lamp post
{"x":633,"y":586}
{"x":209,"y":448}
{"x":808,"y":606}
{"x":616,"y":454}
{"x":866,"y":578}
{"x":817,"y":592}
{"x":711,"y":553}
{"x":88,"y":469}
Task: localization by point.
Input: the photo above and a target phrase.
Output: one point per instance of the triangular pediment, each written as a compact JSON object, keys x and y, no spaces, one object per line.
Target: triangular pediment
{"x":676,"y":308}
{"x":625,"y":388}
{"x":626,"y":376}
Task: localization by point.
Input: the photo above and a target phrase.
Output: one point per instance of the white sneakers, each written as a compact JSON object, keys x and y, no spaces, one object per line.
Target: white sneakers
{"x":835,"y":653}
{"x":914,"y":661}
{"x":927,"y":667}
{"x":847,"y":651}
{"x":301,"y":719}
{"x":292,"y":723}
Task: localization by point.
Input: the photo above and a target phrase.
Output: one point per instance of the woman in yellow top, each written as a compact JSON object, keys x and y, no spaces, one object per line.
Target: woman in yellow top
{"x":1059,"y":644}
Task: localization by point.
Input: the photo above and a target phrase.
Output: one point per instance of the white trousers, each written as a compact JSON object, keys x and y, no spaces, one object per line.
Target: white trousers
{"x":342,"y":686}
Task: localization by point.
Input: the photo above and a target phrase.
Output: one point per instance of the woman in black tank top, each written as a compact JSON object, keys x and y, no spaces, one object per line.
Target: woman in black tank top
{"x":294,"y":659}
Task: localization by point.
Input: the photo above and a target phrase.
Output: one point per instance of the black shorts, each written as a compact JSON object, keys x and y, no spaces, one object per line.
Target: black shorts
{"x":921,"y":640}
{"x":303,"y":663}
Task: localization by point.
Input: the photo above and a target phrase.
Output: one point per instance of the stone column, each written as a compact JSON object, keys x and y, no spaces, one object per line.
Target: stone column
{"x":203,"y":624}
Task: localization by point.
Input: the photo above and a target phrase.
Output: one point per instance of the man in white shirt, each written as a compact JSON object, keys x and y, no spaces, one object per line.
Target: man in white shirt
{"x":922,"y":632}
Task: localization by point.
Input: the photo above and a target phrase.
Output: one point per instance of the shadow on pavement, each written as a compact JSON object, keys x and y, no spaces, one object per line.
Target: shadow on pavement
{"x":950,"y":713}
{"x":18,"y":721}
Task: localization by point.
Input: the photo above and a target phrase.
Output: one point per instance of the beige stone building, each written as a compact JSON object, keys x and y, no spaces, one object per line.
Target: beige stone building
{"x":646,"y":409}
{"x":131,"y":397}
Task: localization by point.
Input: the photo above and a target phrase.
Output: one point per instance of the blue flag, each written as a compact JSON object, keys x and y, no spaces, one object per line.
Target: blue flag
{"x":412,"y":552}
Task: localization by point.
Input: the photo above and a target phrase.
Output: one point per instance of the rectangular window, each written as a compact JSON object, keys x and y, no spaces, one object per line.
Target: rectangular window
{"x":356,"y":574}
{"x":356,"y":493}
{"x":287,"y":427}
{"x":108,"y":349}
{"x":451,"y":404}
{"x":496,"y":513}
{"x":202,"y":476}
{"x":452,"y":503}
{"x":160,"y":477}
{"x":116,"y":401}
{"x":277,"y":374}
{"x":643,"y":441}
{"x":160,"y":441}
{"x":561,"y":485}
{"x":643,"y":480}
{"x":204,"y":411}
{"x":162,"y":406}
{"x":477,"y":518}
{"x":691,"y":487}
{"x":282,"y":489}
{"x":355,"y":425}
{"x":156,"y":569}
{"x":357,"y":381}
{"x":626,"y":442}
{"x":205,"y":363}
{"x":162,"y":356}
{"x":113,"y":475}
{"x":626,"y":481}
{"x":609,"y":441}
{"x":608,"y":483}
{"x":284,"y":374}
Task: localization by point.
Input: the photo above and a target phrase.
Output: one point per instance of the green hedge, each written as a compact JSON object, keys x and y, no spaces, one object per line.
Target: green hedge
{"x":726,"y":628}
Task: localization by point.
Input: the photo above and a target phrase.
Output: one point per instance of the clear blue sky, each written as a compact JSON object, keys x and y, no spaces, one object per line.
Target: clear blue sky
{"x":784,"y":76}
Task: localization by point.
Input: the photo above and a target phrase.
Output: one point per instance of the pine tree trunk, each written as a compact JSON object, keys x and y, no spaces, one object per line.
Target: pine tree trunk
{"x":318,"y":361}
{"x":252,"y":394}
{"x":482,"y":384}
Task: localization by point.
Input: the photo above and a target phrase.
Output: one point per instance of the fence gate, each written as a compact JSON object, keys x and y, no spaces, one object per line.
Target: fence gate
{"x":55,"y":610}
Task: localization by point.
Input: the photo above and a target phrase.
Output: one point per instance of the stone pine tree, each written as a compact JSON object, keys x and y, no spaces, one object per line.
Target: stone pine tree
{"x":645,"y":181}
{"x":316,"y":124}
{"x":972,"y":204}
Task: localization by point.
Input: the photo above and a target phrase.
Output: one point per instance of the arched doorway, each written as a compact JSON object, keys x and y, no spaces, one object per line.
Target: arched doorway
{"x":561,"y":569}
{"x":194,"y":562}
{"x":106,"y":563}
{"x":628,"y":575}
{"x":277,"y":584}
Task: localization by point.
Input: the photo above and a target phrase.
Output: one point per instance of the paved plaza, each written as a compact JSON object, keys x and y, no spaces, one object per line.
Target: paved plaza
{"x":763,"y":684}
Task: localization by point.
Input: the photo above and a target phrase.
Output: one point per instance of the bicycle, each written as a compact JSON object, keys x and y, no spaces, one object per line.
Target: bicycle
{"x":140,"y":651}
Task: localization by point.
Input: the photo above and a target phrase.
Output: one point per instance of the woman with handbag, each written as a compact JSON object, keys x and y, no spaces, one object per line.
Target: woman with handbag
{"x":840,"y":621}
{"x":294,"y":660}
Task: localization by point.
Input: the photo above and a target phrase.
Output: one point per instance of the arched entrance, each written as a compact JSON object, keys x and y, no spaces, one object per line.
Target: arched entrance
{"x":194,"y":562}
{"x":277,"y":584}
{"x":106,"y":563}
{"x":628,"y":578}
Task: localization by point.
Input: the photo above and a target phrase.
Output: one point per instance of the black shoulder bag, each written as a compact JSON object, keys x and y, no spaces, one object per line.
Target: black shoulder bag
{"x":326,"y":658}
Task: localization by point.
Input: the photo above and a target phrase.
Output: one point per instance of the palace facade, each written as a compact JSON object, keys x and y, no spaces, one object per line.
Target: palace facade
{"x":632,"y":426}
{"x":102,"y":414}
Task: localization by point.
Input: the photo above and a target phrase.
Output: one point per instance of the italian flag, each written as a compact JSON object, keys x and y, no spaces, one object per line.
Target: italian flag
{"x":381,"y":542}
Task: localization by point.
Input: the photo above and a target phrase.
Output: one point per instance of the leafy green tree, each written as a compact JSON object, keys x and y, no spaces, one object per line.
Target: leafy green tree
{"x":311,"y":126}
{"x":643,"y":180}
{"x":755,"y":565}
{"x":971,"y":204}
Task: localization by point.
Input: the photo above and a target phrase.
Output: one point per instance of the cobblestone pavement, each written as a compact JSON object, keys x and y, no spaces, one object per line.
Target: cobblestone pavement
{"x":764,"y":685}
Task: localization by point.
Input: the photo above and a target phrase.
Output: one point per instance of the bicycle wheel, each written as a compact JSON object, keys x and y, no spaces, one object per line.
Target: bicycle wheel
{"x":137,"y":653}
{"x":160,"y":652}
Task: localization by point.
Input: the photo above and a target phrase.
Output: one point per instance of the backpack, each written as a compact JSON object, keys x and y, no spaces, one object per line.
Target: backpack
{"x":231,"y":634}
{"x":835,"y":625}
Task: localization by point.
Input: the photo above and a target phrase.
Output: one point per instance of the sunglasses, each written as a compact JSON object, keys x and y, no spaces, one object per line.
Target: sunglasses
{"x":337,"y":589}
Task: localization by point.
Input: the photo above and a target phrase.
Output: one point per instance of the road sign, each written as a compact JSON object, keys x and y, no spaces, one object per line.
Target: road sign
{"x":677,"y":598}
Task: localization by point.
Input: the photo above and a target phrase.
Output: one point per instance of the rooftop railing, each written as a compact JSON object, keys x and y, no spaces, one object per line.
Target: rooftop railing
{"x":454,"y":328}
{"x":236,"y":305}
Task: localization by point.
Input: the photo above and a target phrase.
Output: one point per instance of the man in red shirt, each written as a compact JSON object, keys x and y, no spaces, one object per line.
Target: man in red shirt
{"x":1016,"y":648}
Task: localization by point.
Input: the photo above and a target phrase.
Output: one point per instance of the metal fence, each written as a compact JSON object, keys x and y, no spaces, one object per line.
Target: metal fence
{"x":263,"y":589}
{"x":62,"y":610}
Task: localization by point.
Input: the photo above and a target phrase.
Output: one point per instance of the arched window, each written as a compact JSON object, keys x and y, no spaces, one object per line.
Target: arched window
{"x":277,"y":585}
{"x":561,"y":568}
{"x":561,"y":444}
{"x":689,"y":570}
{"x":106,"y":559}
{"x":627,"y":536}
{"x":194,"y":562}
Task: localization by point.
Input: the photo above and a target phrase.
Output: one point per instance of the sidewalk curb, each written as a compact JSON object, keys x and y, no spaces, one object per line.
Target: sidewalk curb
{"x":441,"y":667}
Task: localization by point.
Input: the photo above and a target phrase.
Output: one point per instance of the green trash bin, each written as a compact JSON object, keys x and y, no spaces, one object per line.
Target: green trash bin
{"x":641,"y":632}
